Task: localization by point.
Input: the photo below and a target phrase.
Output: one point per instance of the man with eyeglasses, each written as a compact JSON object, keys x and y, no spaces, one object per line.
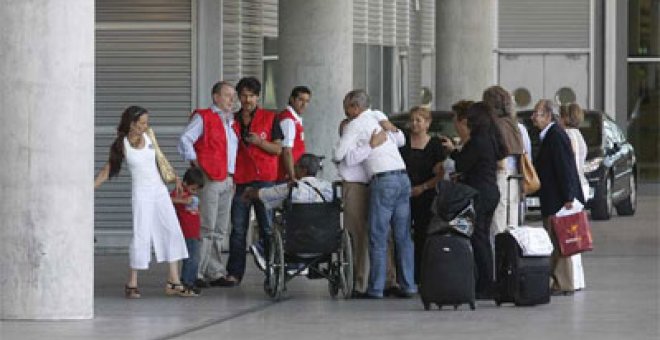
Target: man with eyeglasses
{"x":560,"y":184}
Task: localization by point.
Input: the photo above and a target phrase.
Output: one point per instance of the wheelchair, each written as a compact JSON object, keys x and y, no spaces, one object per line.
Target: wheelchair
{"x":312,"y":236}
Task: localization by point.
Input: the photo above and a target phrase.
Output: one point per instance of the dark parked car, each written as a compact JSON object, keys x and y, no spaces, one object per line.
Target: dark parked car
{"x":610,"y":168}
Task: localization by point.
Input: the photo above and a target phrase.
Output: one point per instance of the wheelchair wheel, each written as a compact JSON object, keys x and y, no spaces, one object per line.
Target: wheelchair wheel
{"x":275,"y":270}
{"x":346,"y":265}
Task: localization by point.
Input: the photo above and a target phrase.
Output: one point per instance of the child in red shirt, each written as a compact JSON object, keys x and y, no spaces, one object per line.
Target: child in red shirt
{"x":186,"y":205}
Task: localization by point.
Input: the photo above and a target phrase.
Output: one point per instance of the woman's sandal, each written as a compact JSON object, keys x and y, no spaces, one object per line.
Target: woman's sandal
{"x":131,"y":292}
{"x":179,"y":290}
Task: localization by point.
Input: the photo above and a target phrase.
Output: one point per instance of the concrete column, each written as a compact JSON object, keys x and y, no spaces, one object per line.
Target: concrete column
{"x":616,"y":61}
{"x":209,"y":42}
{"x":47,"y":125}
{"x":464,"y":32}
{"x":315,"y":48}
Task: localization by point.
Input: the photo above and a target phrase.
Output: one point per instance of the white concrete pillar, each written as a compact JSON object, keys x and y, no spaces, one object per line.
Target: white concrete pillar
{"x":315,"y":48}
{"x":464,"y":32}
{"x":209,"y":50}
{"x":616,"y":61}
{"x":47,"y":148}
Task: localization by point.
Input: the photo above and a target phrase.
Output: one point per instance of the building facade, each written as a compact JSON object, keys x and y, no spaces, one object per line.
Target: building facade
{"x":166,"y":54}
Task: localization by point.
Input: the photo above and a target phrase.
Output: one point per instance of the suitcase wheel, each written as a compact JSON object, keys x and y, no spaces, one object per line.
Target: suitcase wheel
{"x":455,"y":307}
{"x":427,"y":305}
{"x":472,"y":307}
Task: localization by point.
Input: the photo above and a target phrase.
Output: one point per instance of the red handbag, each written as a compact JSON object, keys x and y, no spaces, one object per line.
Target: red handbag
{"x":573,"y":233}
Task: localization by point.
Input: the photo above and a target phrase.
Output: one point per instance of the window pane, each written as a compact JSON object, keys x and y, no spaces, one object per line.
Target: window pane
{"x":644,"y":123}
{"x":360,"y":66}
{"x":644,"y":24}
{"x":388,"y":80}
{"x":374,"y":76}
{"x":269,"y":94}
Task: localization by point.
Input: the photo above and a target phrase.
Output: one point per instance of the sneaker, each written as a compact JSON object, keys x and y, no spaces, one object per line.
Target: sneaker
{"x":257,"y":253}
{"x":293,"y":268}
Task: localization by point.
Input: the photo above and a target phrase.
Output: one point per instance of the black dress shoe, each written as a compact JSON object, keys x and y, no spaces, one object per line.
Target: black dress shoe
{"x":562,"y":292}
{"x":201,"y":283}
{"x":223,"y":282}
{"x":400,"y":293}
{"x":391,"y":291}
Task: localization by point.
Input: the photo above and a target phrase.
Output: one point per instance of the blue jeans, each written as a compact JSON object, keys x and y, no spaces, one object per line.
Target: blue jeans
{"x":240,"y":219}
{"x":189,"y":267}
{"x":389,"y":205}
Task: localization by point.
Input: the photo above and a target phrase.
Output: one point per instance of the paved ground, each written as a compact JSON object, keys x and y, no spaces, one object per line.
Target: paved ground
{"x":622,"y":301}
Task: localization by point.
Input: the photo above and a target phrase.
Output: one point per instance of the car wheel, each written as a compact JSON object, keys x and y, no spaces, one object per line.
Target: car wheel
{"x":629,"y":205}
{"x":601,"y":208}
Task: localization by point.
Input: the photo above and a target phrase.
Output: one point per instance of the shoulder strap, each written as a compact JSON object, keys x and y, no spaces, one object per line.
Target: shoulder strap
{"x":317,"y":191}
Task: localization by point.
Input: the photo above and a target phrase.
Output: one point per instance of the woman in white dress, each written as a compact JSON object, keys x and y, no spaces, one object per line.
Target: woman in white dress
{"x":571,"y":117}
{"x":154,"y":218}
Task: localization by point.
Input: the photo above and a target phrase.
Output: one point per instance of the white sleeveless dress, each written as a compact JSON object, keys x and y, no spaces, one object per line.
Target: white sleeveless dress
{"x":154,"y":218}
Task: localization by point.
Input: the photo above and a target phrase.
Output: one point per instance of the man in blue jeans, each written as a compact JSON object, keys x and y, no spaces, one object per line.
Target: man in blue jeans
{"x":389,"y":202}
{"x":259,"y":147}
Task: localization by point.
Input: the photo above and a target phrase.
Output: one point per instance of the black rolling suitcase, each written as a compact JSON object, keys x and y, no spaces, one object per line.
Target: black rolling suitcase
{"x":522,"y":280}
{"x":447,"y":276}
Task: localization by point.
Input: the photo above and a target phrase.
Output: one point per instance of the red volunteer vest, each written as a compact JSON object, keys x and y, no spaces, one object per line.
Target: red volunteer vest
{"x":298,"y":142}
{"x":252,"y":163}
{"x":211,"y":147}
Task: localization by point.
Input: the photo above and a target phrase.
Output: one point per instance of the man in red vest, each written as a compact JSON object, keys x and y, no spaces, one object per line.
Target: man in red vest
{"x":210,"y":143}
{"x":259,"y":147}
{"x":293,"y":145}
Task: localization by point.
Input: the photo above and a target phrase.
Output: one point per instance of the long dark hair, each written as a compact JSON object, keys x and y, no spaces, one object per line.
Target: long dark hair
{"x":130,"y":115}
{"x":481,"y":121}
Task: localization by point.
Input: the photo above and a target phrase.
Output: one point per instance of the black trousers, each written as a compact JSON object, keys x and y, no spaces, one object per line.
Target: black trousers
{"x":483,"y":252}
{"x":420,"y":211}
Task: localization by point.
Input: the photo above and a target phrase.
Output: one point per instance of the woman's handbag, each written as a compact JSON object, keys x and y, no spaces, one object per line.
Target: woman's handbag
{"x":166,"y":170}
{"x":531,"y":182}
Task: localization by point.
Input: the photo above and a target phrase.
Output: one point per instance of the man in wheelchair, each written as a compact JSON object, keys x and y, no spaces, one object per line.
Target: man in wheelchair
{"x":307,"y":188}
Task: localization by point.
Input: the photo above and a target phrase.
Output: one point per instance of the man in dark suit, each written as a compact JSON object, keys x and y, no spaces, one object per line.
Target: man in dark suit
{"x":560,"y":184}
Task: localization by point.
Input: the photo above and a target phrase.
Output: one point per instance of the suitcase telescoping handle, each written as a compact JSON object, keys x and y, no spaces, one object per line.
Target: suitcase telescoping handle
{"x":518,"y":177}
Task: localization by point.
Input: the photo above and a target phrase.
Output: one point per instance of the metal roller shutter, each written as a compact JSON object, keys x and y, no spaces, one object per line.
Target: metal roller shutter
{"x":270,"y":18}
{"x":402,"y":23}
{"x":389,"y":22}
{"x":360,"y":22}
{"x":428,"y":24}
{"x":242,"y":38}
{"x":415,"y":56}
{"x":143,"y":57}
{"x":543,"y":24}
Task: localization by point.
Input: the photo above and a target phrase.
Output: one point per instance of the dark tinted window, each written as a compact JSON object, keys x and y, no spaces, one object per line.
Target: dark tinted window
{"x":591,"y":129}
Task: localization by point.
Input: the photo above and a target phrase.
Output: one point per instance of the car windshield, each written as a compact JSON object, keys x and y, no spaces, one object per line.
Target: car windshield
{"x":591,"y":129}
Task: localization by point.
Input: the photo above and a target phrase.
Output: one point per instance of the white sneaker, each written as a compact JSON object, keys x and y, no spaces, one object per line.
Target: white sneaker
{"x":259,"y":259}
{"x":292,"y":269}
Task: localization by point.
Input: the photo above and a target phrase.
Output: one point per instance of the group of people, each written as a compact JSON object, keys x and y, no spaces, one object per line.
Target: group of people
{"x":230,"y":153}
{"x":252,"y":157}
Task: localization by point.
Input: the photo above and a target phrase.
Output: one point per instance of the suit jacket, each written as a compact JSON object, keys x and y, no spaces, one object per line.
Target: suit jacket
{"x":557,"y":172}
